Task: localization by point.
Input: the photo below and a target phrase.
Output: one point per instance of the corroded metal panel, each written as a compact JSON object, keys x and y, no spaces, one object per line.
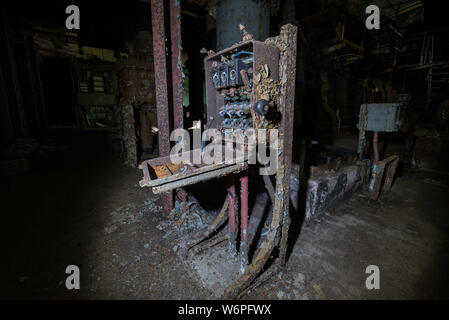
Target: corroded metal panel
{"x":325,"y":189}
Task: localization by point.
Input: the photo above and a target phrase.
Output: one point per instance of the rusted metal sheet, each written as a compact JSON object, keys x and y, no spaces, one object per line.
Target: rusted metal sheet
{"x":377,"y":175}
{"x":390,"y":174}
{"x":325,"y":189}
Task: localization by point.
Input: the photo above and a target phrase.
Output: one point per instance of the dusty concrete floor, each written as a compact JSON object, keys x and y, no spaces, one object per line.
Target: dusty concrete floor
{"x":89,"y":211}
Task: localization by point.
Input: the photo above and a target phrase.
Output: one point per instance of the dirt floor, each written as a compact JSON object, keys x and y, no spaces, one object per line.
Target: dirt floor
{"x":79,"y":205}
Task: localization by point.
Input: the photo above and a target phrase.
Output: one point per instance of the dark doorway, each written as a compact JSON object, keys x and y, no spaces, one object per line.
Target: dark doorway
{"x":59,"y":91}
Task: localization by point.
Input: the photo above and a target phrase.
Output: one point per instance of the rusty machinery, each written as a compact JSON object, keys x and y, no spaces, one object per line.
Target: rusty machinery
{"x":379,"y":117}
{"x":250,"y":85}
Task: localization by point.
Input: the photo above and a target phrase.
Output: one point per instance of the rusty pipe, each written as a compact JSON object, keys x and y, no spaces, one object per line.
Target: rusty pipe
{"x":161,"y":86}
{"x":244,"y":220}
{"x":375,"y":148}
{"x":232,"y":206}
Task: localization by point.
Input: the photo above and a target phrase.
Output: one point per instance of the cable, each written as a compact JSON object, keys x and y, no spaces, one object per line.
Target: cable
{"x":238,"y":53}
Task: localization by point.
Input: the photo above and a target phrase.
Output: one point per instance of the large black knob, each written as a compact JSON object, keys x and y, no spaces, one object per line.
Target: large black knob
{"x":262,"y":107}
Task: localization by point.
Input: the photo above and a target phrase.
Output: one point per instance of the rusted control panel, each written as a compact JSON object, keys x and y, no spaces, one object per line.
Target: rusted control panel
{"x":242,"y":88}
{"x":250,"y":85}
{"x":232,"y":76}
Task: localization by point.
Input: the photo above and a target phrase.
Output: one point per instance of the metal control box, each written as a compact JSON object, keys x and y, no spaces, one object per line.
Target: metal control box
{"x":229,"y":83}
{"x":380,"y":117}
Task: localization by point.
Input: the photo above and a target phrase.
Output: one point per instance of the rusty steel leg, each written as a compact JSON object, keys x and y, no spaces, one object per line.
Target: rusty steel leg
{"x":243,"y":221}
{"x":176,"y":73}
{"x":160,"y":74}
{"x":287,"y":66}
{"x":233,"y":221}
{"x":390,"y":174}
{"x":176,"y":65}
